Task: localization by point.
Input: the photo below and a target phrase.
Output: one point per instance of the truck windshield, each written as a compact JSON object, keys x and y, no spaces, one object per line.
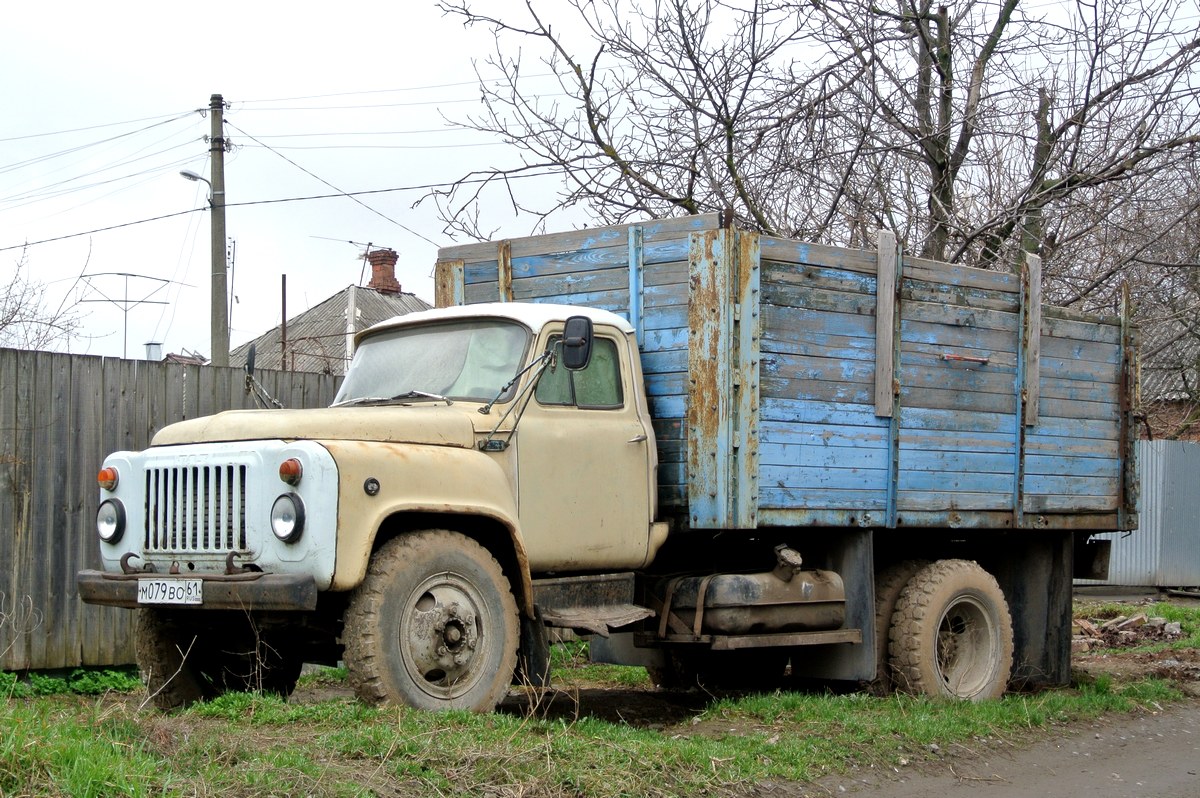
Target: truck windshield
{"x":469,"y":360}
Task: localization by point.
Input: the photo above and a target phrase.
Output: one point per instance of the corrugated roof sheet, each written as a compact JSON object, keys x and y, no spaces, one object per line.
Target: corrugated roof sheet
{"x":317,"y":338}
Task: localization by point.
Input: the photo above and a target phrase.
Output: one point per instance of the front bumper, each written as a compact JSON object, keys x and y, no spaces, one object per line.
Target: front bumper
{"x":253,"y":591}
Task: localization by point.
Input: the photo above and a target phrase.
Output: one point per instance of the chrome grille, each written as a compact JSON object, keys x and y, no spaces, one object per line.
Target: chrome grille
{"x":196,"y":508}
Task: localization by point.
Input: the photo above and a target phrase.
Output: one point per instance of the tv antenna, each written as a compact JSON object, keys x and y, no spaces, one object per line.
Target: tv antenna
{"x":124,"y":302}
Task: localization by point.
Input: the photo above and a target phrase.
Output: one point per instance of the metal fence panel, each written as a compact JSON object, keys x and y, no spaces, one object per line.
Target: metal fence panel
{"x":60,"y":415}
{"x":1165,"y":549}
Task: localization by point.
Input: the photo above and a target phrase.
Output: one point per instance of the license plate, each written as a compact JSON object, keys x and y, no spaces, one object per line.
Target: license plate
{"x":170,"y":591}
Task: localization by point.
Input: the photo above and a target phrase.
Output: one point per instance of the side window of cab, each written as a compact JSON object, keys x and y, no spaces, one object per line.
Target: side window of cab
{"x":597,"y":387}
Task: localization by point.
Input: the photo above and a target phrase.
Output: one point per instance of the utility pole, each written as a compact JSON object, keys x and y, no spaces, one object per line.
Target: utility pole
{"x":219,"y":336}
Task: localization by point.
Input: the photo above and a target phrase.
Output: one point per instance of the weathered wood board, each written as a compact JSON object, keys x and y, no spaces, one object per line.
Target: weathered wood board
{"x":952,"y":399}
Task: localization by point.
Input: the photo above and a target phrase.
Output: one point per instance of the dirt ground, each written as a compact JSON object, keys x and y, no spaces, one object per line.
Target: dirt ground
{"x":1155,"y":752}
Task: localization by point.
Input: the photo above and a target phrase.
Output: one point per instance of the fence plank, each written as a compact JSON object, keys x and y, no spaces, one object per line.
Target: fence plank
{"x":60,"y":415}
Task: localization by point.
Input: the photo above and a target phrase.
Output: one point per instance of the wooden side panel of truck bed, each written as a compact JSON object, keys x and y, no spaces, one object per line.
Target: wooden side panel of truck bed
{"x":786,"y":390}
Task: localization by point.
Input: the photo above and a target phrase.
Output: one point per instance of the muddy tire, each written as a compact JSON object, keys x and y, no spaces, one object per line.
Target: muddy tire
{"x":168,"y":657}
{"x":951,"y":633}
{"x":434,"y":625}
{"x":889,"y":583}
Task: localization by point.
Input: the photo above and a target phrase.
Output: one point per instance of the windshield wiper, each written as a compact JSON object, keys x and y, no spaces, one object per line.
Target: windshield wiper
{"x":423,"y":395}
{"x":382,"y":400}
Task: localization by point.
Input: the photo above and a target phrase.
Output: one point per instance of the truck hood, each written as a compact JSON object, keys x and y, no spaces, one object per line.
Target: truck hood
{"x":425,"y":423}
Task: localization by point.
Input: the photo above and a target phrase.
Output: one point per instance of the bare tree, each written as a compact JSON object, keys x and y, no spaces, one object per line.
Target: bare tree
{"x":27,"y":321}
{"x":972,"y":132}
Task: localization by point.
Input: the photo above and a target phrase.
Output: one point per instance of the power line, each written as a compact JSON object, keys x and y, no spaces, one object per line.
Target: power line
{"x":351,"y":194}
{"x":335,"y":188}
{"x":167,"y":117}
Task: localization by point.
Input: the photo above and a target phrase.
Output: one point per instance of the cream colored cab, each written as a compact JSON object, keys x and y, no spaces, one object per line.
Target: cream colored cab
{"x":586,"y":459}
{"x":576,"y":446}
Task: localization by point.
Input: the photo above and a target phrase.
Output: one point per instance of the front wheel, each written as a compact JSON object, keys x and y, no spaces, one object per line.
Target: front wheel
{"x":433,"y":625}
{"x":951,"y":633}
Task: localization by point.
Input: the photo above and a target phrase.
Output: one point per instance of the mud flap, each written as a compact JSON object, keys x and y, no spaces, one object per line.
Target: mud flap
{"x":533,"y":657}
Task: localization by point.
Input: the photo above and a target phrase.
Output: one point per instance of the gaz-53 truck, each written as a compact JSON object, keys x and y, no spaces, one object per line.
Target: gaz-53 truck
{"x":725,"y":456}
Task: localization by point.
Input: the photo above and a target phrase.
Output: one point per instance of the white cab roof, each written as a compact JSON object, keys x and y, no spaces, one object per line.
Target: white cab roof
{"x":533,"y":315}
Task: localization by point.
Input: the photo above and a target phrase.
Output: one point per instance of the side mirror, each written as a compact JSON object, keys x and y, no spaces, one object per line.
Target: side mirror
{"x":250,"y":361}
{"x":577,"y":343}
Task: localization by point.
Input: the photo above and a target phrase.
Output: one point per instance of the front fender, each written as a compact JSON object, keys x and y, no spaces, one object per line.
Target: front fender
{"x":415,"y":478}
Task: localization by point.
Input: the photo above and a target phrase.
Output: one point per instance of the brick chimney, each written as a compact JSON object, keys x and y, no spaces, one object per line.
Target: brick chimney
{"x":383,"y":271}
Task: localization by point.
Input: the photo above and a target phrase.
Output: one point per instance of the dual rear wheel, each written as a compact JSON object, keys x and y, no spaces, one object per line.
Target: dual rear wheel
{"x":949,"y":631}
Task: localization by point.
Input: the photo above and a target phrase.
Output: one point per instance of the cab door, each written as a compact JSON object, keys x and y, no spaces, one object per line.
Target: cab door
{"x":584,"y":463}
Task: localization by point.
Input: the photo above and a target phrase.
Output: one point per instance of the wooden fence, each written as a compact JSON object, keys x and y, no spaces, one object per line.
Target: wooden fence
{"x":60,"y":415}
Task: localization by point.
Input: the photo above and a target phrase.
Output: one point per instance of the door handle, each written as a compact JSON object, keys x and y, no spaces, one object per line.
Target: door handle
{"x":638,"y":438}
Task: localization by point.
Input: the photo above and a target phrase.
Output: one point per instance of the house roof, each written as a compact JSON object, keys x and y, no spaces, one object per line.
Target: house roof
{"x":1170,"y":358}
{"x":317,"y":338}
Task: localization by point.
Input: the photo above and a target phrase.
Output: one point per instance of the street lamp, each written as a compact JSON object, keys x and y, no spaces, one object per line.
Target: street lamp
{"x":219,"y":320}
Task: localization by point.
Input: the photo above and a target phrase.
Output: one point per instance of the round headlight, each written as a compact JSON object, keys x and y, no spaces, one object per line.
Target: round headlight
{"x":287,"y":517}
{"x":110,"y":521}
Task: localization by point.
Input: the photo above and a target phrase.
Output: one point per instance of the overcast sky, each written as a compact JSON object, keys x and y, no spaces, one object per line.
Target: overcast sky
{"x":100,"y":115}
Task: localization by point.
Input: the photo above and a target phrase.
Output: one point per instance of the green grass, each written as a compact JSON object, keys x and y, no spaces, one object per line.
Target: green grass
{"x":244,"y":744}
{"x":106,"y":744}
{"x":81,"y":681}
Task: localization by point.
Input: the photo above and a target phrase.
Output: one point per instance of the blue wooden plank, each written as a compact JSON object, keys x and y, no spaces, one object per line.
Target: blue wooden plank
{"x":664,"y":361}
{"x":802,"y":322}
{"x":955,"y":508}
{"x":658,"y":340}
{"x":820,"y":390}
{"x":668,"y":383}
{"x":673,"y":317}
{"x":1051,"y":427}
{"x":804,"y":367}
{"x":1072,"y":503}
{"x":823,"y":456}
{"x":945,"y":399}
{"x":1081,"y":350}
{"x":1073,"y":447}
{"x":783,"y":251}
{"x":820,"y":345}
{"x":956,"y":441}
{"x":969,"y":320}
{"x":803,"y":434}
{"x":936,"y":335}
{"x":859,"y":501}
{"x":669,"y":406}
{"x":827,"y":479}
{"x":1045,"y":484}
{"x":921,"y":459}
{"x":1059,"y":465}
{"x":1078,"y":369}
{"x":777,"y":272}
{"x":1098,"y":411}
{"x":819,"y":412}
{"x":956,"y":482}
{"x":921,"y":418}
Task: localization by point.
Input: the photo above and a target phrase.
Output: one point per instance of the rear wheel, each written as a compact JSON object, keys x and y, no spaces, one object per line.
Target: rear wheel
{"x":433,"y":625}
{"x":889,"y":583}
{"x":951,"y":633}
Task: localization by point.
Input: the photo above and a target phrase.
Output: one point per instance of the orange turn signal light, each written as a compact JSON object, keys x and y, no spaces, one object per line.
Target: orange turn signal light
{"x":107,"y":478}
{"x":290,"y":471}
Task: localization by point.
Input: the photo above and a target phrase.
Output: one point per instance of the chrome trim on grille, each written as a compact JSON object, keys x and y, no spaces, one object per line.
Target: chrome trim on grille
{"x":196,"y":508}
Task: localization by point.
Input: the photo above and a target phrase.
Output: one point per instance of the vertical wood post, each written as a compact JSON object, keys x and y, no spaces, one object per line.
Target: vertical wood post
{"x":504,"y":273}
{"x":886,"y":262}
{"x":449,"y":283}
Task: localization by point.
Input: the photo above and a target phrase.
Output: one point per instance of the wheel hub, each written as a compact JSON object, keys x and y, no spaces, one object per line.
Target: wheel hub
{"x":440,"y":637}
